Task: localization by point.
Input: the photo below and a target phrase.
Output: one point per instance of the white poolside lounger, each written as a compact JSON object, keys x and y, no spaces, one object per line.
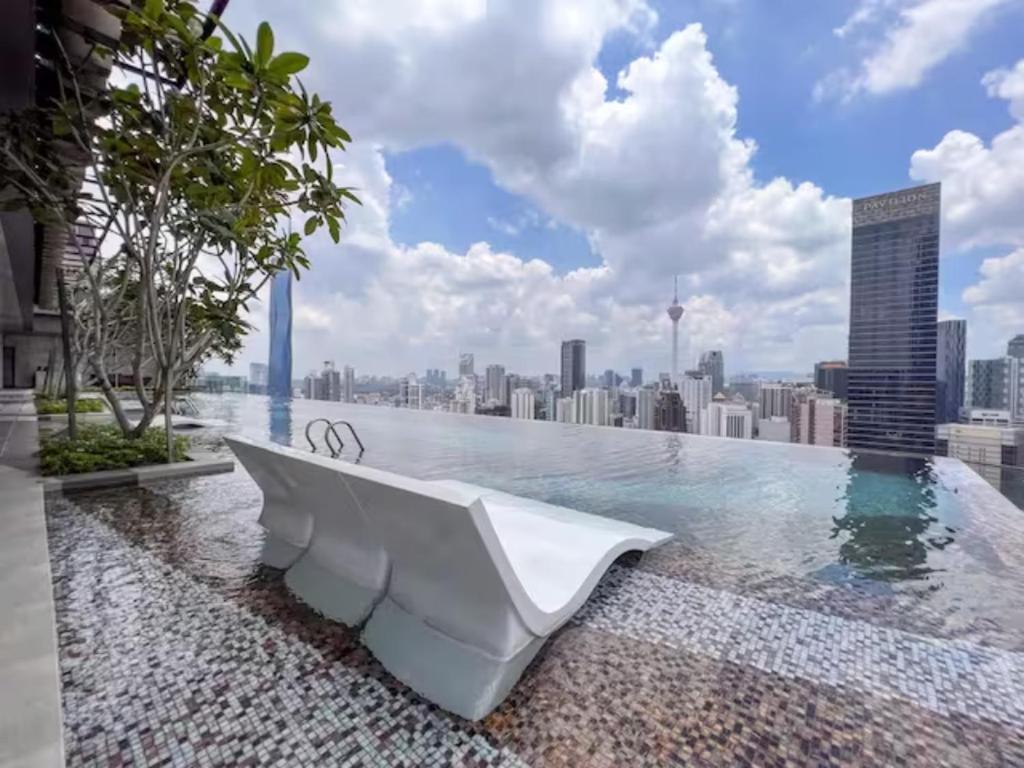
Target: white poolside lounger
{"x":479,"y":580}
{"x":316,"y":529}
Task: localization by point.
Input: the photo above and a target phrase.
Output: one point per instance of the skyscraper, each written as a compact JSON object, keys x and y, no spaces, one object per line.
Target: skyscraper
{"x":994,"y":384}
{"x":950,"y":369}
{"x":495,"y":383}
{"x":1015,"y":347}
{"x":832,"y":376}
{"x":646,"y":408}
{"x":776,"y":400}
{"x":574,"y":366}
{"x":893,"y":308}
{"x":523,"y":403}
{"x":712,"y":363}
{"x":675,"y":312}
{"x":279,"y":377}
{"x":670,"y":414}
{"x":590,"y":406}
{"x":331,"y":381}
{"x":258,"y":373}
{"x":636,"y":377}
{"x":696,"y":394}
{"x":349,"y":385}
{"x":466,"y":364}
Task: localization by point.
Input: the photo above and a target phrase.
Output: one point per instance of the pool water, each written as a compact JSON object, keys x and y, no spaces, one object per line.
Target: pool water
{"x":930,"y":535}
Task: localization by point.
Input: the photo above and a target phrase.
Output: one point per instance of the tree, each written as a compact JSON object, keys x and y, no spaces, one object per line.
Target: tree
{"x":189,"y":166}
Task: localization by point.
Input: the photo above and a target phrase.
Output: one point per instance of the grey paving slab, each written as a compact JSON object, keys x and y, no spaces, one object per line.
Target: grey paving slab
{"x":30,"y":701}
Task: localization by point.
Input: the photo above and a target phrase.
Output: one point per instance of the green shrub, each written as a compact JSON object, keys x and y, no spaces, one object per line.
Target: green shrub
{"x":100,"y":447}
{"x":45,"y":405}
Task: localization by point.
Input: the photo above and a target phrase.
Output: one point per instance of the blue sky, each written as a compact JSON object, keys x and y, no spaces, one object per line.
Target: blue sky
{"x":519,"y":199}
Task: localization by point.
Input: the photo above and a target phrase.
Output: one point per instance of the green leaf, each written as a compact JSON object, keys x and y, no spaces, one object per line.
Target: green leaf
{"x":288,"y":63}
{"x":264,"y":44}
{"x":311,"y":224}
{"x":153,"y":8}
{"x":335,"y":230}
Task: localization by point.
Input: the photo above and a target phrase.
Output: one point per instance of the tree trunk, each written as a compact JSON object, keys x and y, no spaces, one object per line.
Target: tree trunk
{"x":168,"y":427}
{"x":70,"y":385}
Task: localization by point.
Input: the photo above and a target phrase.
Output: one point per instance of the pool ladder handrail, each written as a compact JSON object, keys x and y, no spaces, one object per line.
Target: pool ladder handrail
{"x":329,"y":430}
{"x":362,"y":448}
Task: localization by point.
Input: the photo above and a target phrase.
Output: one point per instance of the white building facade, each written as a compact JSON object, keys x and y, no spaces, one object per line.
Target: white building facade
{"x":523,"y":403}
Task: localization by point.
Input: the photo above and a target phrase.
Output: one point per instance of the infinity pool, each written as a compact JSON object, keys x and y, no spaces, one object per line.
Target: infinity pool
{"x":746,"y":511}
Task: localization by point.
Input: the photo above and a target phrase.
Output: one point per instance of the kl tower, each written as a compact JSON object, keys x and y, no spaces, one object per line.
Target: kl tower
{"x":675,"y":312}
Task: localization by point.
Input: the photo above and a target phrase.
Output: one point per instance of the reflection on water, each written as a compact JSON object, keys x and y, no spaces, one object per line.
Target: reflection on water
{"x":1008,"y":480}
{"x":279,"y":411}
{"x":889,"y":523}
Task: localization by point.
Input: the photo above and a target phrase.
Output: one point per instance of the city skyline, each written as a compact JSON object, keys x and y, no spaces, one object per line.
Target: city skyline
{"x":506,"y":241}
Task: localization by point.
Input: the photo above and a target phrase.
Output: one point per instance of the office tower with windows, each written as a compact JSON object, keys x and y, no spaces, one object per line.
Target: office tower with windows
{"x":670,"y":414}
{"x":950,"y":370}
{"x":510,"y":386}
{"x":495,"y":385}
{"x":893,"y":312}
{"x":331,"y":381}
{"x":775,"y":400}
{"x":636,"y":377}
{"x":349,"y":385}
{"x":590,"y":406}
{"x":995,"y":385}
{"x":696,"y":394}
{"x":574,"y":366}
{"x":646,"y":406}
{"x":523,"y":403}
{"x":1015,"y":347}
{"x":279,"y":363}
{"x":410,"y":392}
{"x":258,"y":375}
{"x":832,"y":376}
{"x":712,"y":363}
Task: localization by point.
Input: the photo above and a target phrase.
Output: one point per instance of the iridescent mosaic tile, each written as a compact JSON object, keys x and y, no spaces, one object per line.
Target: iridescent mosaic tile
{"x":178,"y":649}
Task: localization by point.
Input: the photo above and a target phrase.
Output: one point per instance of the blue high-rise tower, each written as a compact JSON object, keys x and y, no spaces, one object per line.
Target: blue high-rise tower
{"x":279,"y":380}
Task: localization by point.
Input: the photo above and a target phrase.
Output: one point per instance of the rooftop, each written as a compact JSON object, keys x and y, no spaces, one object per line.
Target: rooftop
{"x":774,"y":630}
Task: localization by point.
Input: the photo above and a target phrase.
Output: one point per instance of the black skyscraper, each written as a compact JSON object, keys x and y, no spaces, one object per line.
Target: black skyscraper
{"x":574,"y":366}
{"x":893,"y":310}
{"x":950,"y":370}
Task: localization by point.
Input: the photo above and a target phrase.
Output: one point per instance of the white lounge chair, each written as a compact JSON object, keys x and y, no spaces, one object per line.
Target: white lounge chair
{"x":479,"y":580}
{"x":316,"y":529}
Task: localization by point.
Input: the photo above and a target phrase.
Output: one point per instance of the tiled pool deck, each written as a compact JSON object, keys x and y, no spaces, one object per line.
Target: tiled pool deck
{"x":177,"y":650}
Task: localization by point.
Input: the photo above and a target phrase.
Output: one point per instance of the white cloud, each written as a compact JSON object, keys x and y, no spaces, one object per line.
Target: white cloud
{"x":982,"y":184}
{"x":1008,"y":84}
{"x":1002,"y":281}
{"x":655,"y":175}
{"x":908,"y":39}
{"x":996,"y":304}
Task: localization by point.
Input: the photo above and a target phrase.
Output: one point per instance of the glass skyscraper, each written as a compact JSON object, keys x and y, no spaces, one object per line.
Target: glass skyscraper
{"x":950,"y":370}
{"x":712,"y":363}
{"x":894,"y":294}
{"x":574,"y":366}
{"x":279,"y":380}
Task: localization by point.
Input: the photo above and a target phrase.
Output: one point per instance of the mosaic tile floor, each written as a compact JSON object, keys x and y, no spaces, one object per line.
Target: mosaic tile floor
{"x":177,"y":650}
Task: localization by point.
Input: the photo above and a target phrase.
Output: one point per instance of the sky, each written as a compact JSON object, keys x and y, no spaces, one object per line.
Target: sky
{"x":539,"y":170}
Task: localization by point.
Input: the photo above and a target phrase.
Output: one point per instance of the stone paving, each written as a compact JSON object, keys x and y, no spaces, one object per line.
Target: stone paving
{"x":30,"y":705}
{"x":943,"y":676}
{"x":176,"y":649}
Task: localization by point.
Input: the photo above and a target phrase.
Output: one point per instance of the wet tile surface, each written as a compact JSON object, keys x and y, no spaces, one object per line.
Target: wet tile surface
{"x":178,"y":649}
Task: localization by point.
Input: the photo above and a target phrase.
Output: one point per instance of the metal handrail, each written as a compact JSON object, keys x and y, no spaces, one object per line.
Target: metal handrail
{"x":329,"y":428}
{"x":362,"y":448}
